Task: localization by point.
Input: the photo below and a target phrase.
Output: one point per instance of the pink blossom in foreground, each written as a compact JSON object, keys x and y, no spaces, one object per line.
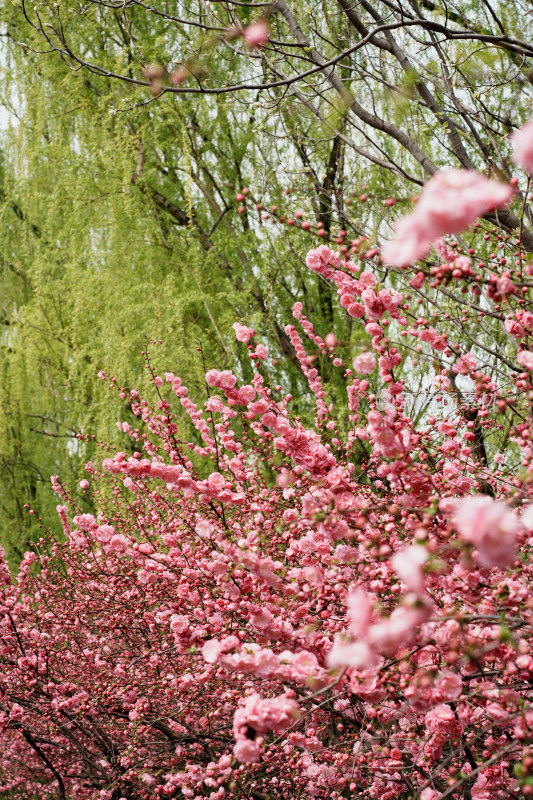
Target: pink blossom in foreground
{"x":358,"y":655}
{"x":451,"y":201}
{"x":525,"y":359}
{"x":408,"y":566}
{"x":256,"y":34}
{"x":522,"y":141}
{"x":247,"y":751}
{"x":364,"y":363}
{"x":363,"y":644}
{"x":490,"y":526}
{"x":359,"y":612}
{"x":527,"y":517}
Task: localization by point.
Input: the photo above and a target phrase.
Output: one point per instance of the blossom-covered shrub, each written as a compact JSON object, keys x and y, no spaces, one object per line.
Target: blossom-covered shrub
{"x":281,"y":610}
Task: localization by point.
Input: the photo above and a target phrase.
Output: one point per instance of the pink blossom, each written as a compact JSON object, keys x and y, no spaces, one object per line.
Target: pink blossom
{"x":85,"y":521}
{"x":442,"y":719}
{"x":449,"y":686}
{"x":410,"y":243}
{"x":496,"y":712}
{"x":260,"y":715}
{"x":321,"y":259}
{"x":513,"y":327}
{"x":221,"y":380}
{"x":359,"y":611}
{"x":211,"y":377}
{"x":216,"y":481}
{"x":84,"y":484}
{"x":366,"y":683}
{"x":213,"y":648}
{"x":525,"y":359}
{"x":364,"y":363}
{"x":398,"y":630}
{"x":490,"y":526}
{"x":527,"y":517}
{"x":358,"y":655}
{"x":104,"y":533}
{"x":256,"y":34}
{"x":242,"y":333}
{"x":417,"y":281}
{"x":482,"y":789}
{"x":441,"y":382}
{"x":449,"y":203}
{"x":465,"y":364}
{"x":261,"y":352}
{"x":522,"y":141}
{"x":408,"y":566}
{"x":246,"y":751}
{"x":179,"y":623}
{"x":504,"y":284}
{"x":129,"y":484}
{"x":118,"y":543}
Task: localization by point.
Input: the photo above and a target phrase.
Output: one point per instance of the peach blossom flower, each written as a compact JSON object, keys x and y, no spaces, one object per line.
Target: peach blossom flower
{"x":242,"y":333}
{"x":408,"y":566}
{"x":525,"y":359}
{"x":490,"y":526}
{"x":449,"y":686}
{"x":256,"y":34}
{"x":451,"y":201}
{"x":364,"y":363}
{"x":465,"y":364}
{"x":522,"y":141}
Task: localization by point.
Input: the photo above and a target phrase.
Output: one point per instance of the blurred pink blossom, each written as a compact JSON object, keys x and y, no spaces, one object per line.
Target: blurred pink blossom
{"x":522,"y":142}
{"x":451,"y":201}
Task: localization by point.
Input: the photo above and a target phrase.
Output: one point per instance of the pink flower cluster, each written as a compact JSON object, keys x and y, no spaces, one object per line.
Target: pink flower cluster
{"x":364,"y":363}
{"x":367,"y":641}
{"x":287,"y":666}
{"x":522,"y":142}
{"x":519,"y":324}
{"x":259,"y":716}
{"x":242,"y":333}
{"x":491,"y":527}
{"x":374,"y":304}
{"x":451,"y":201}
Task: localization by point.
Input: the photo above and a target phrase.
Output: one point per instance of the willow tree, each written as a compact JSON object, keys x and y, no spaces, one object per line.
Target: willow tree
{"x":120,"y":228}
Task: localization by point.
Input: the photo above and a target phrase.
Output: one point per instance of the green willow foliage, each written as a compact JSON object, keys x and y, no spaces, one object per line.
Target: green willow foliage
{"x":117,"y":229}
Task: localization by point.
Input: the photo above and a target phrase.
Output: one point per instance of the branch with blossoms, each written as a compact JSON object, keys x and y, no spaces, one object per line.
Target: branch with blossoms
{"x":257,"y":612}
{"x":373,"y":64}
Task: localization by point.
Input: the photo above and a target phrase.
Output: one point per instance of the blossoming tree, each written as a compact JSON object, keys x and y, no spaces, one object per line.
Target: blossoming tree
{"x":273,"y":610}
